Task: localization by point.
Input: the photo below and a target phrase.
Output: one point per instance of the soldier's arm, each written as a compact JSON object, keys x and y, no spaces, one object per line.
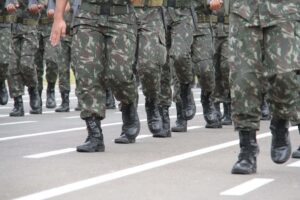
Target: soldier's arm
{"x":50,"y":8}
{"x":59,"y":25}
{"x":10,"y":6}
{"x":33,"y":6}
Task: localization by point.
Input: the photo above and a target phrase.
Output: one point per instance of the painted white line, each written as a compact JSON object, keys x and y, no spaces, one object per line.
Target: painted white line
{"x":5,"y":107}
{"x":46,"y":194}
{"x":14,"y":123}
{"x":294,"y":164}
{"x":44,"y":112}
{"x":51,"y":153}
{"x":194,"y":127}
{"x":247,"y":187}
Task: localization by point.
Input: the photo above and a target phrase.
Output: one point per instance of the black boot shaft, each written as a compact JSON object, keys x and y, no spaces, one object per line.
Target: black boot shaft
{"x":164,"y":113}
{"x":3,"y":94}
{"x":265,"y":111}
{"x":249,"y":150}
{"x":50,"y":101}
{"x":110,"y":100}
{"x":181,"y":123}
{"x":154,"y":120}
{"x":281,"y":146}
{"x":209,"y":112}
{"x":65,"y":104}
{"x":94,"y":141}
{"x":18,"y":109}
{"x":35,"y":100}
{"x":226,"y":120}
{"x":188,"y":103}
{"x":131,"y":122}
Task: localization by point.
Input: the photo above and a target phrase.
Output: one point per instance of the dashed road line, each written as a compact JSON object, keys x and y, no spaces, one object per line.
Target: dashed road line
{"x":294,"y":164}
{"x":15,"y":123}
{"x":247,"y":187}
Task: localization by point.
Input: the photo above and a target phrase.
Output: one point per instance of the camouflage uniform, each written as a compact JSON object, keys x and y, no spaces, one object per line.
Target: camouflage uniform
{"x":103,"y":49}
{"x":151,"y":56}
{"x":5,"y":48}
{"x":22,"y":70}
{"x":273,"y":25}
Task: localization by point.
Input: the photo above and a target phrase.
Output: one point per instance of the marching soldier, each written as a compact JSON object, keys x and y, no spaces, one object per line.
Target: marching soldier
{"x":22,"y":70}
{"x":103,"y":54}
{"x":7,"y":8}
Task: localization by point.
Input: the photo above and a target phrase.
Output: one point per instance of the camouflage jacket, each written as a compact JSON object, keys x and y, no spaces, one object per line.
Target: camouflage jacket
{"x":266,"y":13}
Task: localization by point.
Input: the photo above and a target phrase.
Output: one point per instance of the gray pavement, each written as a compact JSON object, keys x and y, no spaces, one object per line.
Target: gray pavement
{"x":39,"y":161}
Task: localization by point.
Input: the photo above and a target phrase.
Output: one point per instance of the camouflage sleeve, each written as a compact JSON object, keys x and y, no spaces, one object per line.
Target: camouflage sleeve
{"x":51,"y":5}
{"x":9,"y":2}
{"x":44,"y":2}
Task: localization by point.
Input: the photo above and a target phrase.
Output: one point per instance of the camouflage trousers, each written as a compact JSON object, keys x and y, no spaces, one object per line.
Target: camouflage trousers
{"x":222,"y":87}
{"x":247,"y":70}
{"x":48,"y":53}
{"x":103,"y":56}
{"x":22,"y":70}
{"x":151,"y":52}
{"x":202,"y":56}
{"x":180,"y":35}
{"x":5,"y":50}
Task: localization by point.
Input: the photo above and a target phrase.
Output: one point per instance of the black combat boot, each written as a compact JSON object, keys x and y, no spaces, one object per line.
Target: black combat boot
{"x":249,"y":150}
{"x":154,"y":119}
{"x":181,"y":123}
{"x":40,"y":94}
{"x":281,"y":145}
{"x":296,"y":154}
{"x":164,"y":113}
{"x":188,"y":102}
{"x":226,"y":120}
{"x":64,"y":106}
{"x":3,"y":94}
{"x":218,"y":110}
{"x":131,"y":124}
{"x":18,"y":109}
{"x":35,"y":101}
{"x":50,"y":102}
{"x":94,"y":141}
{"x":265,"y":111}
{"x":110,"y":100}
{"x":209,"y":112}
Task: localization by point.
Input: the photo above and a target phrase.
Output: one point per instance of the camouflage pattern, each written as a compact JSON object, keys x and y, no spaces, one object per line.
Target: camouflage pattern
{"x":152,"y":51}
{"x":249,"y":28}
{"x":180,"y":30}
{"x":103,"y":50}
{"x":221,"y":54}
{"x":5,"y":41}
{"x":46,"y":52}
{"x":202,"y":49}
{"x":22,"y":70}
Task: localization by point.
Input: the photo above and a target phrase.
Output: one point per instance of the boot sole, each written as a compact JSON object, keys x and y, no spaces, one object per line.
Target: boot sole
{"x":100,"y":149}
{"x":129,"y":141}
{"x":243,"y":172}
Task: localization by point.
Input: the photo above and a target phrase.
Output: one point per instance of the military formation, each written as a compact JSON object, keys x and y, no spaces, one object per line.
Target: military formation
{"x":245,"y":56}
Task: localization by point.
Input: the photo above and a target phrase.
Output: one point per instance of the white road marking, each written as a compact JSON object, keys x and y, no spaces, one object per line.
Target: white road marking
{"x":14,"y":123}
{"x":51,"y":153}
{"x":294,"y":164}
{"x":46,"y":194}
{"x":194,"y":127}
{"x":247,"y":187}
{"x":4,"y":107}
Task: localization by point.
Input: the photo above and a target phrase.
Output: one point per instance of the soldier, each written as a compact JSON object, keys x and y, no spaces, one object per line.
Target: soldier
{"x":180,"y":28}
{"x":6,"y":19}
{"x":110,"y":99}
{"x":22,"y":70}
{"x":272,"y":24}
{"x":104,"y":47}
{"x":202,"y":54}
{"x":151,"y":56}
{"x":49,"y":54}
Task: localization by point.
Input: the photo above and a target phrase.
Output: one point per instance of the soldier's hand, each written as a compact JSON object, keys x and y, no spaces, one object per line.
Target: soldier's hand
{"x":41,"y":6}
{"x":68,"y":7}
{"x":34,"y":8}
{"x":50,"y":13}
{"x":11,"y":8}
{"x":58,"y":30}
{"x":216,"y":4}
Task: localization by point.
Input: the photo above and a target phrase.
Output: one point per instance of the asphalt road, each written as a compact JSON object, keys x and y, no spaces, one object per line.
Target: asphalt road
{"x":39,"y":161}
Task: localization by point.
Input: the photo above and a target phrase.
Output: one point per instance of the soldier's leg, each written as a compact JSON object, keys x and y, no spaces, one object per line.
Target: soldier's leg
{"x":180,"y":52}
{"x":64,"y":76}
{"x":284,"y":86}
{"x":120,"y":51}
{"x":89,"y":71}
{"x":39,"y":63}
{"x":29,"y":48}
{"x":15,"y":80}
{"x":245,"y":91}
{"x":3,"y":90}
{"x":51,"y":77}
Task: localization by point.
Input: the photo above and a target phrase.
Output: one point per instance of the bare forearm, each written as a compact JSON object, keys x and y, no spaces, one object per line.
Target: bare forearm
{"x":60,"y":9}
